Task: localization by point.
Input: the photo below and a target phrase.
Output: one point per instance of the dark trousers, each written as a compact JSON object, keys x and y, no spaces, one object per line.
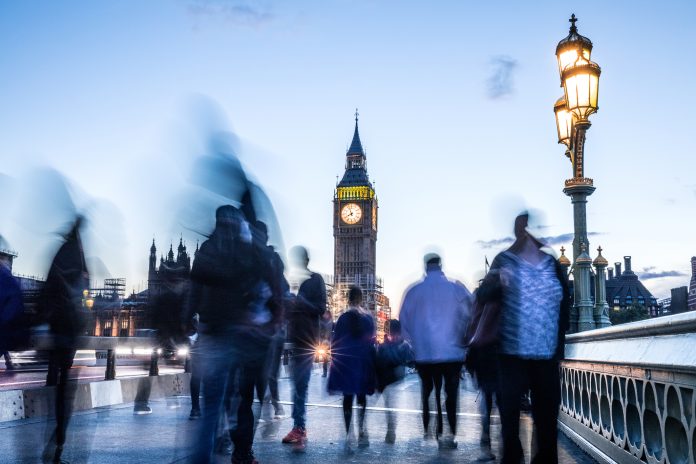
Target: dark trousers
{"x":541,"y":377}
{"x":196,"y":379}
{"x":273,"y":361}
{"x":251,"y":375}
{"x":433,"y":376}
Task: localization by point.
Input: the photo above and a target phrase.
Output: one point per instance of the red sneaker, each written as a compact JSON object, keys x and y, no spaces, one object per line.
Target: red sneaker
{"x":295,"y":435}
{"x":300,"y":446}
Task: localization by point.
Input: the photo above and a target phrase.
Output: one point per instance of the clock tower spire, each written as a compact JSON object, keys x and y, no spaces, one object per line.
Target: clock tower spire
{"x":355,"y":227}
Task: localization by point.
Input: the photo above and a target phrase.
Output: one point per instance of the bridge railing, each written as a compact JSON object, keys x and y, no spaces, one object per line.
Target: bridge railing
{"x":628,"y":392}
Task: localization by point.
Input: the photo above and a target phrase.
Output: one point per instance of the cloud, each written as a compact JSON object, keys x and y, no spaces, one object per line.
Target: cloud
{"x":501,"y":79}
{"x":236,"y":11}
{"x":650,"y":273}
{"x":551,"y":240}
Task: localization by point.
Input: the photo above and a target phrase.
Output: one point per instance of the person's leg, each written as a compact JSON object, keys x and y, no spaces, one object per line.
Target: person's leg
{"x":195,"y":384}
{"x":513,"y":381}
{"x":243,"y":435}
{"x":347,"y":411}
{"x":438,"y":374}
{"x":302,"y":370}
{"x":451,"y":376}
{"x":425,"y":374}
{"x":64,"y":396}
{"x":274,"y":368}
{"x":389,"y":395}
{"x":546,"y":398}
{"x":363,"y":438}
{"x":215,"y":360}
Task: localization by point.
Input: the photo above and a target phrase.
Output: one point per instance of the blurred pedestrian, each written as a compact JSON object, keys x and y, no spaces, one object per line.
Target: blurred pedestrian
{"x":303,"y":317}
{"x":195,"y":368}
{"x":14,"y":333}
{"x":533,"y":293}
{"x":324,"y":351}
{"x":434,"y":316}
{"x":60,"y":305}
{"x":228,"y":294}
{"x":392,"y":358}
{"x":353,"y":364}
{"x":482,"y":363}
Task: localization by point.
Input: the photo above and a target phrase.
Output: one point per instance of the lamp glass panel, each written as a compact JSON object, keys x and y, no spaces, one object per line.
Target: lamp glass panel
{"x":564,"y":122}
{"x":594,"y":91}
{"x":570,"y":57}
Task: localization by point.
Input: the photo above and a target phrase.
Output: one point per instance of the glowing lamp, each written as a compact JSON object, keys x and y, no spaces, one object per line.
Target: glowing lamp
{"x":581,"y":86}
{"x":564,"y":121}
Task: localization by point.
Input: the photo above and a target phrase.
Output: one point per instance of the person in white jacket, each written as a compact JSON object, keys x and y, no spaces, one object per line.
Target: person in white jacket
{"x":434,"y":315}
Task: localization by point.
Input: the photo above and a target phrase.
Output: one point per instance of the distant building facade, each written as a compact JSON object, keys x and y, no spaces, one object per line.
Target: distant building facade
{"x":624,"y":290}
{"x":155,"y":275}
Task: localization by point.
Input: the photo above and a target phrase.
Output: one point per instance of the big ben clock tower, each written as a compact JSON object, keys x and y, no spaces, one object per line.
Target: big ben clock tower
{"x":355,"y":229}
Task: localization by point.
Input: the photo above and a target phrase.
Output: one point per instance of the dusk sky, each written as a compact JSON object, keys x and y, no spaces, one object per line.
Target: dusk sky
{"x":456,"y":115}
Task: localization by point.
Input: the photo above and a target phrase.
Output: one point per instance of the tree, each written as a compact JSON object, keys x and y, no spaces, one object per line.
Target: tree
{"x":635,"y":312}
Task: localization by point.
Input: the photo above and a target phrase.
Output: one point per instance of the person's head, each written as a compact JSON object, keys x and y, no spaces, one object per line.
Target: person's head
{"x":355,"y":296}
{"x":260,"y":232}
{"x":432,"y":261}
{"x":299,"y":257}
{"x":521,"y":222}
{"x":227,"y":217}
{"x":394,"y":329}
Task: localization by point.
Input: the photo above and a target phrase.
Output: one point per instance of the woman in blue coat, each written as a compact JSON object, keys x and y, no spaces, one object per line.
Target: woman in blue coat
{"x":353,"y":363}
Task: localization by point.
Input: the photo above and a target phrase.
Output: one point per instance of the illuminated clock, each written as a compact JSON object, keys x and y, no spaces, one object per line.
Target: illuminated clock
{"x":351,"y":213}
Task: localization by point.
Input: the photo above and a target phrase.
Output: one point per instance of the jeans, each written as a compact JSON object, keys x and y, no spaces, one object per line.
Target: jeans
{"x":301,"y":371}
{"x":517,"y":375}
{"x":219,"y":355}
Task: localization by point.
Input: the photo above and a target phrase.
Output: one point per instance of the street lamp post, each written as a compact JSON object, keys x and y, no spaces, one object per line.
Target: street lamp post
{"x":580,"y":82}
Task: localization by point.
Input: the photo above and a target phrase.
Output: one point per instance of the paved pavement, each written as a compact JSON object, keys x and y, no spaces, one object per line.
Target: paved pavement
{"x":114,"y":434}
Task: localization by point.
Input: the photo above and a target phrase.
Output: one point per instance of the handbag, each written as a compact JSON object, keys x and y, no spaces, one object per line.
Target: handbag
{"x":484,"y":326}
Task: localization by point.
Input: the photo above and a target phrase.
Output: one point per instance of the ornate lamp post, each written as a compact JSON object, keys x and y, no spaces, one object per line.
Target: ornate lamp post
{"x":580,"y":82}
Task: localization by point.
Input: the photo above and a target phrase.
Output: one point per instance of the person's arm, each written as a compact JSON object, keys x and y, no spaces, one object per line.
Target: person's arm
{"x":491,"y":288}
{"x":405,"y":315}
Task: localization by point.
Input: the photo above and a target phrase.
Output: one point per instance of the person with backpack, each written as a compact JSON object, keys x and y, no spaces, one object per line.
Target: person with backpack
{"x":392,"y":358}
{"x":227,"y":293}
{"x":352,"y":371}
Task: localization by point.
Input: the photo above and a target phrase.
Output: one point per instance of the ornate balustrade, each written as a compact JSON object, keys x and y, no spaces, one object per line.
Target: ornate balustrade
{"x":628,"y":391}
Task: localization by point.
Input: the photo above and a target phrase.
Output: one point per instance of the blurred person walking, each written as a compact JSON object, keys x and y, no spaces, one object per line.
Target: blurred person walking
{"x":482,"y":363}
{"x":14,"y":330}
{"x":392,"y":358}
{"x":434,"y":316}
{"x":60,"y":305}
{"x":532,"y":290}
{"x":303,"y":315}
{"x":353,"y":365}
{"x":231,"y":294}
{"x":327,"y":325}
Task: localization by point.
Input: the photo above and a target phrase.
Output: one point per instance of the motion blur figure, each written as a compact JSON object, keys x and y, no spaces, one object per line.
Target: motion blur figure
{"x":532,"y":290}
{"x":434,"y":316}
{"x":231,"y":292}
{"x":14,"y":332}
{"x":392,"y":358}
{"x":60,"y":304}
{"x":164,"y":316}
{"x":353,"y":367}
{"x":304,"y":316}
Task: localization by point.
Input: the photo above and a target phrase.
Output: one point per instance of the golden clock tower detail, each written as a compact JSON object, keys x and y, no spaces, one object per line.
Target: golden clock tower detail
{"x":355,"y":220}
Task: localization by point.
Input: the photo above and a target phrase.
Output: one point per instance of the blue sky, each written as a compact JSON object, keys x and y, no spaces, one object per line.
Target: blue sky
{"x":109,"y":94}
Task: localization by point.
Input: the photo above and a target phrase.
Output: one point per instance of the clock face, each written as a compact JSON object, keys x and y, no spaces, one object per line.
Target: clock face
{"x":351,"y":213}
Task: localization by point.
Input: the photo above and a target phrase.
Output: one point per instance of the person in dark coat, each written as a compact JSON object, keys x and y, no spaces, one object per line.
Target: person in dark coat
{"x":353,"y":363}
{"x":60,"y":304}
{"x":14,"y":331}
{"x":225,"y":282}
